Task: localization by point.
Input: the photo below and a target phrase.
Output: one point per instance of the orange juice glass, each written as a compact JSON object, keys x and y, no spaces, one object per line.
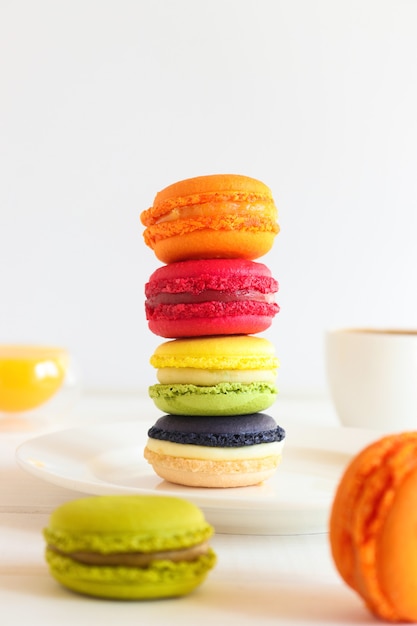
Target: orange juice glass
{"x":30,"y":376}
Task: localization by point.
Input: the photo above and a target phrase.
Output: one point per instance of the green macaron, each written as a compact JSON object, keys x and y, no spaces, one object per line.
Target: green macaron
{"x":129,"y":547}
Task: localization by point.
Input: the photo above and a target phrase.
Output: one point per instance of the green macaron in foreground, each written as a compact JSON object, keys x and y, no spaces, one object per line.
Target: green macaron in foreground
{"x":129,"y":547}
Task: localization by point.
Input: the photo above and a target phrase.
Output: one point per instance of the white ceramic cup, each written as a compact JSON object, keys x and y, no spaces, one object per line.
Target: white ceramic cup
{"x":372,"y":377}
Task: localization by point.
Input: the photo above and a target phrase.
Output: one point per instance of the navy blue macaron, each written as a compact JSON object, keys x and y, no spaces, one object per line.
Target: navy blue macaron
{"x":223,"y":451}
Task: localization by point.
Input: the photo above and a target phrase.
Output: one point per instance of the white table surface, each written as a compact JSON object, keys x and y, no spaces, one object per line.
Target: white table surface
{"x":258,"y":579}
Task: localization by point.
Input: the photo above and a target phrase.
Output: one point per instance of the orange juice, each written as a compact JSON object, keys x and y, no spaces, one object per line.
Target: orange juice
{"x":30,"y":375}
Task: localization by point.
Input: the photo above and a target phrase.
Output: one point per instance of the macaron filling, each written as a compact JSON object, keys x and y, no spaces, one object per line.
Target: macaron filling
{"x":134,"y":559}
{"x":213,"y":207}
{"x":208,"y":378}
{"x":208,"y":295}
{"x":168,"y":449}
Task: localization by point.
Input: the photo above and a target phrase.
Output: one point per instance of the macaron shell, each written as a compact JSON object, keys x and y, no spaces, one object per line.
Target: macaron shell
{"x":223,"y":320}
{"x":220,"y":274}
{"x":342,"y":541}
{"x":209,"y":184}
{"x":231,"y":431}
{"x":396,"y":553}
{"x":380,"y":503}
{"x":213,"y":474}
{"x":162,"y":579}
{"x":208,"y":244}
{"x":372,"y":528}
{"x":219,"y":352}
{"x":222,"y":399}
{"x":122,"y":524}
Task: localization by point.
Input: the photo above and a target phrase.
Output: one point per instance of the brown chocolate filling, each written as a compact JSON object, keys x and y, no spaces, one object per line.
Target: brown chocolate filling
{"x":210,"y":296}
{"x":134,"y":559}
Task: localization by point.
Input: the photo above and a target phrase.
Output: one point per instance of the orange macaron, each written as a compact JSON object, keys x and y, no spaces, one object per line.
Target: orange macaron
{"x":373,"y":527}
{"x":215,"y":216}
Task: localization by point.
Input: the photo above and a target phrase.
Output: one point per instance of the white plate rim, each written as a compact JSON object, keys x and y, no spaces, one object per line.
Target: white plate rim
{"x":339,"y":440}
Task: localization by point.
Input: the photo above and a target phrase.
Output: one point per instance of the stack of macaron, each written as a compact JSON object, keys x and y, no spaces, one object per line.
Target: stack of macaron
{"x":209,"y":300}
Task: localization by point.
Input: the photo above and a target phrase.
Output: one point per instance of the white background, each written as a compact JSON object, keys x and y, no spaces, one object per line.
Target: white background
{"x":105,"y":102}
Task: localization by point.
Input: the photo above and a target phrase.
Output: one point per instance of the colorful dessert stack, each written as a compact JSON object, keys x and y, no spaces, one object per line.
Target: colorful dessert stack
{"x":209,"y":300}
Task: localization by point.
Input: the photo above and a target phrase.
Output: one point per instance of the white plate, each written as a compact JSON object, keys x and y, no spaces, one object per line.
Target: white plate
{"x":109,"y":460}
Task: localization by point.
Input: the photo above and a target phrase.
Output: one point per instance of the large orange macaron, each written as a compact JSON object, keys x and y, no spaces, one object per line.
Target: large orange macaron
{"x":216,"y":216}
{"x":373,"y":527}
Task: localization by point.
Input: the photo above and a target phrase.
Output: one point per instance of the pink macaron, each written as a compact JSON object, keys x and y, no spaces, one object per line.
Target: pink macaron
{"x":210,"y":297}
